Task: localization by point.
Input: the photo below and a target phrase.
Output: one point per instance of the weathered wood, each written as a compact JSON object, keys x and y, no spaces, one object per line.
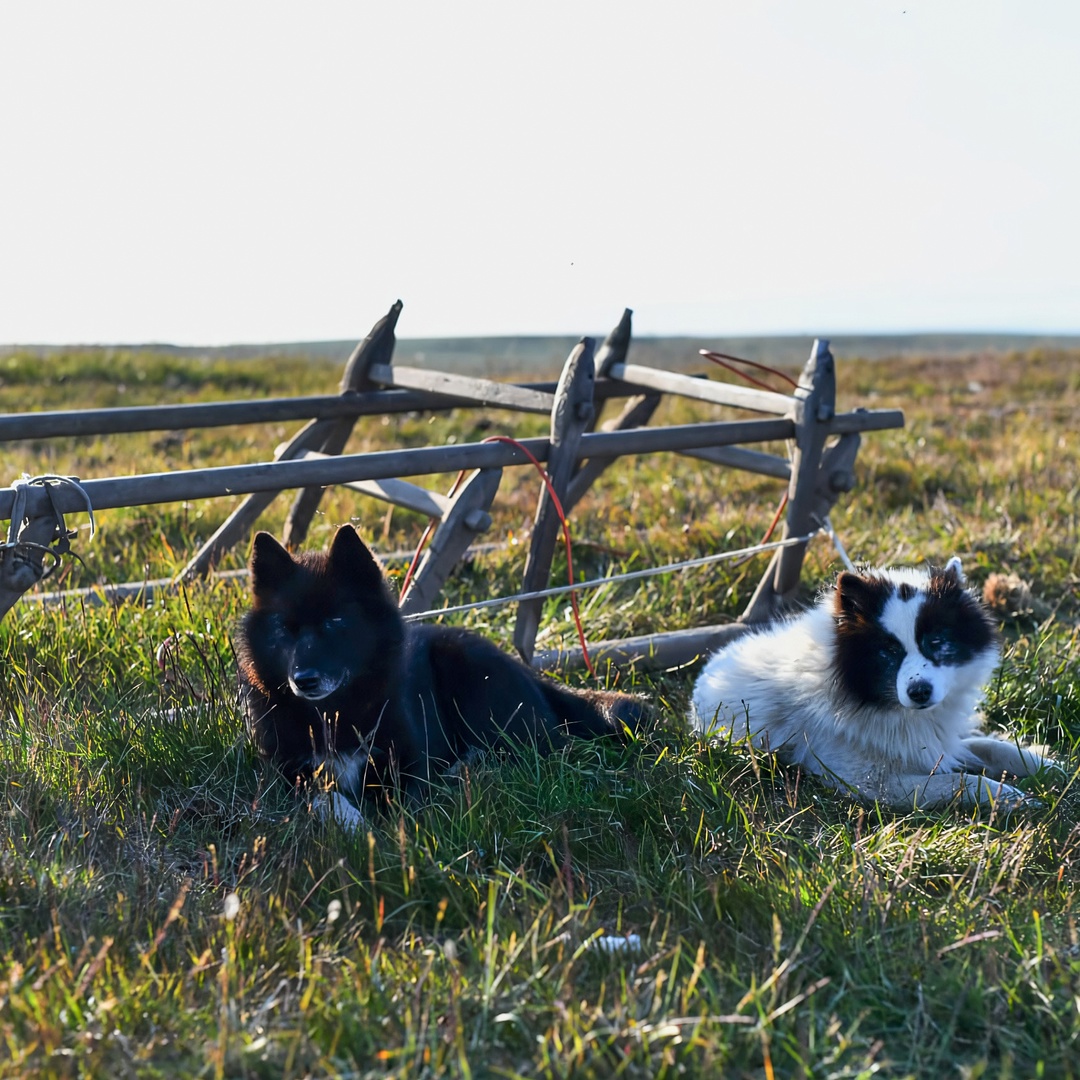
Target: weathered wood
{"x":650,"y":652}
{"x":764,"y":604}
{"x":399,"y":492}
{"x":242,"y":520}
{"x":464,"y":388}
{"x":274,"y":476}
{"x":387,"y":401}
{"x":735,"y":457}
{"x":836,"y":475}
{"x":306,"y":501}
{"x":570,"y":416}
{"x":616,"y":346}
{"x":866,"y":420}
{"x":575,"y":453}
{"x":818,"y":477}
{"x":815,"y":407}
{"x":717,"y":393}
{"x":78,"y":422}
{"x":22,"y":568}
{"x":636,"y":413}
{"x":467,"y":516}
{"x":376,"y":348}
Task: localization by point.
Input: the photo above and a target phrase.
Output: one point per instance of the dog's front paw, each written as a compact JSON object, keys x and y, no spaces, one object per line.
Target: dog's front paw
{"x":1047,"y":764}
{"x":1007,"y":799}
{"x":334,"y":806}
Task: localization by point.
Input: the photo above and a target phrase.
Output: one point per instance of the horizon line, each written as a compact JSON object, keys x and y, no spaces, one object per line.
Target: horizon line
{"x":689,"y":335}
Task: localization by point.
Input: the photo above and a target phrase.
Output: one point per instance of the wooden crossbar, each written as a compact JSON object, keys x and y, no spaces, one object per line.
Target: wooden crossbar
{"x":463,"y":388}
{"x":672,"y":382}
{"x":151,"y":488}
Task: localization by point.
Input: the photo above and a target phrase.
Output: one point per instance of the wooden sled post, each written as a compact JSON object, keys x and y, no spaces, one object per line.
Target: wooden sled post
{"x":467,"y":515}
{"x":314,"y":436}
{"x":636,"y":411}
{"x":22,"y":567}
{"x":572,"y":413}
{"x":376,"y":348}
{"x":242,"y":520}
{"x":813,"y":411}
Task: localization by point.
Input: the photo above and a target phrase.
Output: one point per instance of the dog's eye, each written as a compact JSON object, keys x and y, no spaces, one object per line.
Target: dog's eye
{"x":891,"y":651}
{"x":936,"y":646}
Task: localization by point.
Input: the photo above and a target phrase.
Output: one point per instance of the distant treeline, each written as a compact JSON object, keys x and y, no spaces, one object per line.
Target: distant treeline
{"x":541,"y":356}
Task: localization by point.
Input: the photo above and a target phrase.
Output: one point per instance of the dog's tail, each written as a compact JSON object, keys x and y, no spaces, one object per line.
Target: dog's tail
{"x":591,"y":714}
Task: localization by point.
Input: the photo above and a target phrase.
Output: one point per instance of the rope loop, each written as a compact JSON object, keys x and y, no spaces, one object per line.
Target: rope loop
{"x":61,"y":543}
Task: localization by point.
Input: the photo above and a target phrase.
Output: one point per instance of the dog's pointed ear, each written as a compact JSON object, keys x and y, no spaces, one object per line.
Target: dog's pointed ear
{"x":351,"y":560}
{"x":853,"y":596}
{"x":270,"y":564}
{"x":954,"y":570}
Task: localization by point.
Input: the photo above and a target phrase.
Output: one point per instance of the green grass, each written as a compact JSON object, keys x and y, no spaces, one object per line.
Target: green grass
{"x":169,"y":909}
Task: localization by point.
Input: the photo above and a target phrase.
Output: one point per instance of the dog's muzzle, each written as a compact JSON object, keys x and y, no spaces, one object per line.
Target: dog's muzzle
{"x":312,"y":684}
{"x":920,"y":692}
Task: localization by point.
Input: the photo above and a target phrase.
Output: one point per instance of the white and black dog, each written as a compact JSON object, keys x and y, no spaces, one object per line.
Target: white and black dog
{"x":875,"y":689}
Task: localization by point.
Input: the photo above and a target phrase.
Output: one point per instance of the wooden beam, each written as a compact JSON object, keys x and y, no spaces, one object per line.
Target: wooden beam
{"x":814,"y":410}
{"x":386,"y":401}
{"x":399,"y":492}
{"x":866,"y":420}
{"x":718,"y":393}
{"x":274,"y":476}
{"x":571,"y":415}
{"x":238,"y":525}
{"x":464,"y":388}
{"x":376,"y":348}
{"x":616,"y":346}
{"x":650,"y":652}
{"x":22,"y":568}
{"x":635,"y":414}
{"x":735,"y":457}
{"x":467,"y":516}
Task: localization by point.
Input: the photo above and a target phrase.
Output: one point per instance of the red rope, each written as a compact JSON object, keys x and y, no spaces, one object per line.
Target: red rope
{"x":566,"y":539}
{"x":776,"y":519}
{"x":425,"y":537}
{"x":720,"y":358}
{"x":544,"y":475}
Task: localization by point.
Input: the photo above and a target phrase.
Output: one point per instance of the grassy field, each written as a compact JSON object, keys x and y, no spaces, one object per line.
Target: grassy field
{"x":168,"y":910}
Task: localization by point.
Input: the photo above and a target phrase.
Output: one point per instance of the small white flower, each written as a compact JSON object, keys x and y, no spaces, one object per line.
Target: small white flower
{"x":232,"y":906}
{"x":333,"y":910}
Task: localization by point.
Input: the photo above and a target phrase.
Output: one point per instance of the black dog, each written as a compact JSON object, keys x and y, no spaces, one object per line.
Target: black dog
{"x":334,"y":677}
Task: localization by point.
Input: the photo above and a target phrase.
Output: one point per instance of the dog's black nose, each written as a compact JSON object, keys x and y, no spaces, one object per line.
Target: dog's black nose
{"x":920,"y":691}
{"x":307,"y":682}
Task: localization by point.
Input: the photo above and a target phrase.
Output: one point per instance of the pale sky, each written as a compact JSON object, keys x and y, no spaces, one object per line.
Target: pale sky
{"x":212,"y":173}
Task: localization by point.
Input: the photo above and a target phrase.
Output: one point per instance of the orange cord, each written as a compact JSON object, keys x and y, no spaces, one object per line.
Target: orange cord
{"x":720,"y":358}
{"x":426,"y":536}
{"x":776,"y":519}
{"x":562,"y":520}
{"x":566,"y":539}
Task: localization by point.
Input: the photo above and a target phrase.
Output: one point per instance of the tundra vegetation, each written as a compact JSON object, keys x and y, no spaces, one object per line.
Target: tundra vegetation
{"x":169,"y":909}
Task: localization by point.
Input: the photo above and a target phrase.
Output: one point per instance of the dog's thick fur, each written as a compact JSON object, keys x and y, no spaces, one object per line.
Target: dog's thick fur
{"x":875,"y":689}
{"x":334,"y":678}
